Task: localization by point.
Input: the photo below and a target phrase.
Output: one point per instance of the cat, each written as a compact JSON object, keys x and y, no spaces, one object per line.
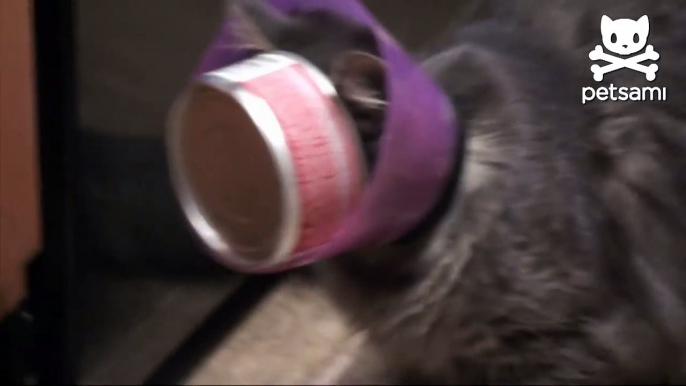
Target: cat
{"x":556,"y":255}
{"x":625,"y":36}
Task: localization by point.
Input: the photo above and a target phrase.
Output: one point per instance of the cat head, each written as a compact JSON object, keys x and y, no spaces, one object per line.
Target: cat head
{"x":625,"y":36}
{"x":345,"y":51}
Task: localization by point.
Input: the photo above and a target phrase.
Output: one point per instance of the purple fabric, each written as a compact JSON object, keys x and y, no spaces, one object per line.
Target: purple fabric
{"x":416,"y":151}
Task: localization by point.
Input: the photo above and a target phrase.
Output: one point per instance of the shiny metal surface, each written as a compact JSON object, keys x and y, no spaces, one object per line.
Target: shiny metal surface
{"x":268,"y":126}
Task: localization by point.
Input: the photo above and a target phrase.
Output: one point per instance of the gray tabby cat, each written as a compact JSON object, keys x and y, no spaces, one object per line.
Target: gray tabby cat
{"x":557,"y":255}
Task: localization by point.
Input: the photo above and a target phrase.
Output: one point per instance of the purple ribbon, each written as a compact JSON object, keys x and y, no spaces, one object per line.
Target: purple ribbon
{"x":416,"y":151}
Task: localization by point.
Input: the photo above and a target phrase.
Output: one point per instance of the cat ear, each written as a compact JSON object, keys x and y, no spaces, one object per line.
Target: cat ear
{"x":258,"y":25}
{"x":360,"y":78}
{"x":605,"y":22}
{"x":644,"y":23}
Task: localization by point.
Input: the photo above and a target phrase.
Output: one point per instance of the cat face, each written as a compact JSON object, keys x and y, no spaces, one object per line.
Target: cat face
{"x":342,"y":49}
{"x":625,"y":36}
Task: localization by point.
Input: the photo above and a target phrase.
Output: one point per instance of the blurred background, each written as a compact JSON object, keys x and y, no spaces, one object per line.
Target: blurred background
{"x":123,"y":293}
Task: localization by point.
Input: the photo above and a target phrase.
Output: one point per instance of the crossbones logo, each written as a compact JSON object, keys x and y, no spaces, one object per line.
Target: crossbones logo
{"x":624,"y":37}
{"x":616,"y":63}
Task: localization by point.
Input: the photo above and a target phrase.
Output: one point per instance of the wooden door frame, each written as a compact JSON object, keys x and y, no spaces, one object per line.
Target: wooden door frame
{"x":20,"y":225}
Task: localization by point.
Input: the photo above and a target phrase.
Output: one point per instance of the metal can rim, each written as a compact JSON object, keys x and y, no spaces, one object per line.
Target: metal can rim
{"x":268,"y":126}
{"x":271,"y":131}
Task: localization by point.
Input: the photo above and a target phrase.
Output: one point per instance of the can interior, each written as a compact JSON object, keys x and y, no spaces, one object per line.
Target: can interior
{"x":230,"y":173}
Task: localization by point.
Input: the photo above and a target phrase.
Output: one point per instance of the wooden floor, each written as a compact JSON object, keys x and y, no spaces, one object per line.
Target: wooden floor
{"x":129,"y":324}
{"x":292,"y":337}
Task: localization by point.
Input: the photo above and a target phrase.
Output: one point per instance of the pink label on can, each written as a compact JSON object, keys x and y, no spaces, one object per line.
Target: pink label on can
{"x":327,"y":159}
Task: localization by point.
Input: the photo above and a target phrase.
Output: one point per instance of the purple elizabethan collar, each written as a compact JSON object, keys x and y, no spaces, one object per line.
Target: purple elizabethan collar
{"x":416,"y":150}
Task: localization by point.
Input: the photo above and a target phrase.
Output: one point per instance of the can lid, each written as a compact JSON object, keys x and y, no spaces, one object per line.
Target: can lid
{"x":232,"y":185}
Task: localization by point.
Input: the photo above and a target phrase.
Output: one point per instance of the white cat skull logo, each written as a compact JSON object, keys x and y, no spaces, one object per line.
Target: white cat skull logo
{"x":624,"y":37}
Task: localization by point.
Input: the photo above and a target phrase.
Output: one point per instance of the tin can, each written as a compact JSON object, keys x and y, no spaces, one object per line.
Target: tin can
{"x":264,"y":159}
